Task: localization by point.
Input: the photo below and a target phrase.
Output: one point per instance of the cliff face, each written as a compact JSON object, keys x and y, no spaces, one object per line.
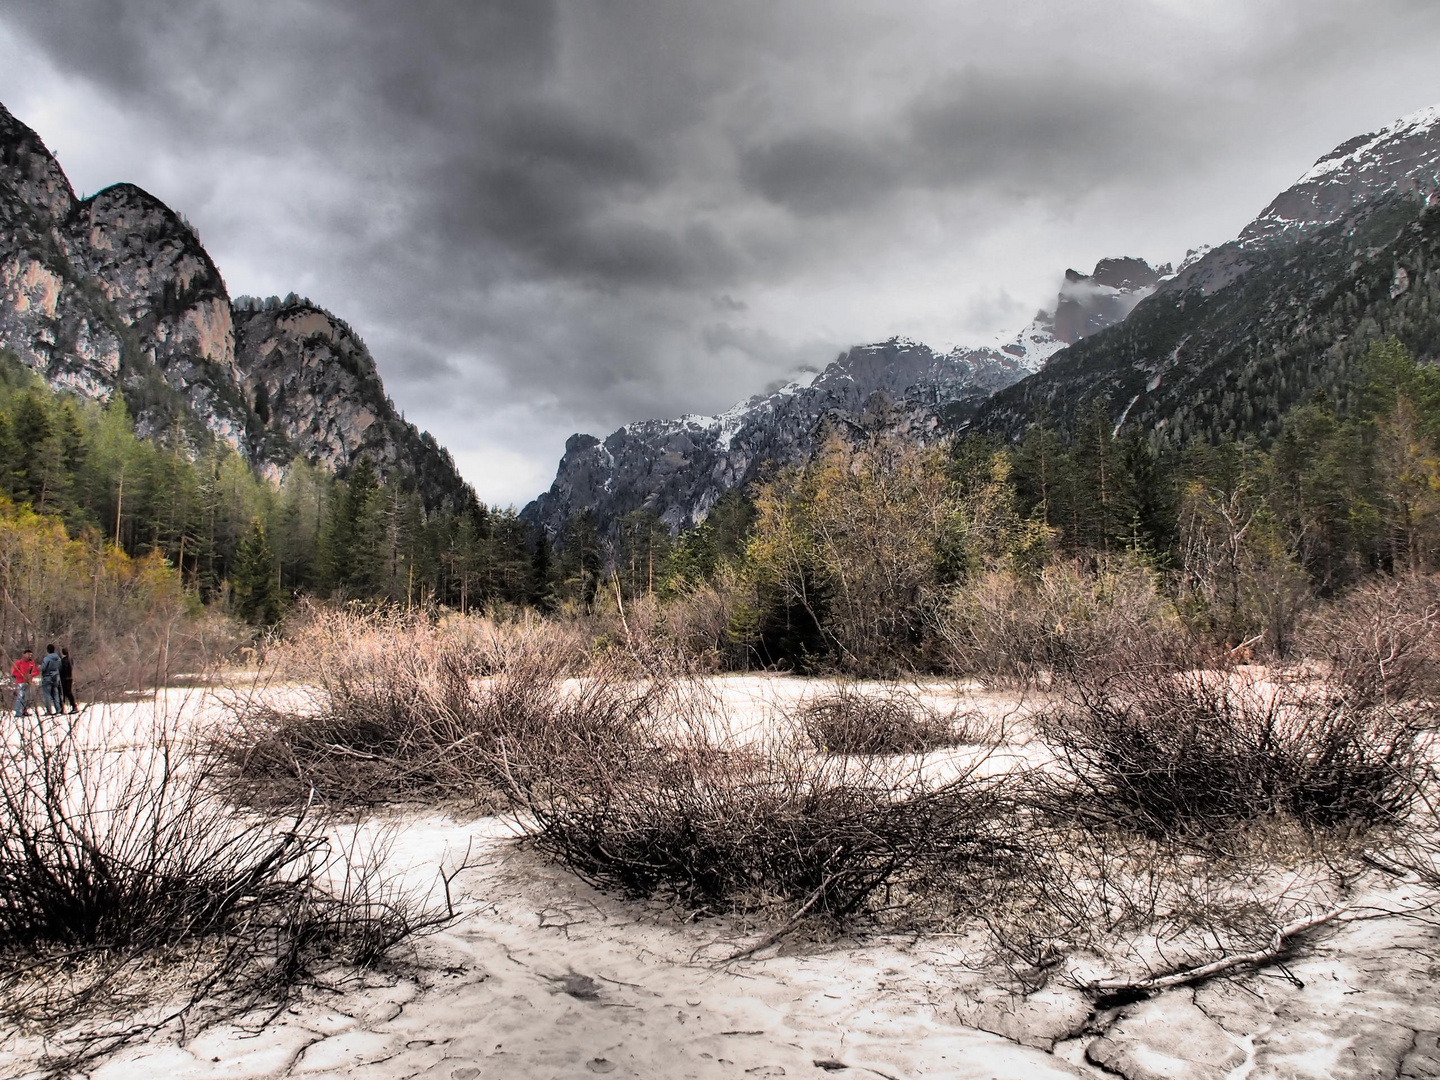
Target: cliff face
{"x":314,"y":391}
{"x":50,"y":316}
{"x":678,"y":469}
{"x":116,"y":293}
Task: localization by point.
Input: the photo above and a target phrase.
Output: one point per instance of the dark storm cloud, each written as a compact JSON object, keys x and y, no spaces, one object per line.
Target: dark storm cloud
{"x":546,"y":215}
{"x":822,"y":171}
{"x":552,"y":190}
{"x":1054,"y":135}
{"x":420,"y":60}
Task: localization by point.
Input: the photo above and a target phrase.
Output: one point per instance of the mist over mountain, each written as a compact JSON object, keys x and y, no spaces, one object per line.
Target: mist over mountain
{"x":1223,"y":346}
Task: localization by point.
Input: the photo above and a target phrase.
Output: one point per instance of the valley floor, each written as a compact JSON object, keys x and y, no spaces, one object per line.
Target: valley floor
{"x":544,"y":977}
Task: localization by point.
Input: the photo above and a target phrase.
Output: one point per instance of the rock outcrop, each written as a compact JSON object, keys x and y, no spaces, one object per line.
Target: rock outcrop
{"x":116,"y":293}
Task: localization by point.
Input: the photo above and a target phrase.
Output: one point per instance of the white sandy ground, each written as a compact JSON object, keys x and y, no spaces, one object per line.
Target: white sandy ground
{"x":543,"y":977}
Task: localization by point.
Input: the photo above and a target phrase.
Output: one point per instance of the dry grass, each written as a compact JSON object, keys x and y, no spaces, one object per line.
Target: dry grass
{"x":398,"y":707}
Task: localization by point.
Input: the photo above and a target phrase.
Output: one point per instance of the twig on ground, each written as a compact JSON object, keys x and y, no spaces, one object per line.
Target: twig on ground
{"x":1279,"y":943}
{"x":791,"y":923}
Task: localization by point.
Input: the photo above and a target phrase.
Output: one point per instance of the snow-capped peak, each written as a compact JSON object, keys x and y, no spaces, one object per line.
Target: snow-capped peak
{"x":1356,"y":150}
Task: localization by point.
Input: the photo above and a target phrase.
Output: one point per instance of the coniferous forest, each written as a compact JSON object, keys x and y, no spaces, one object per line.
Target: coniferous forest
{"x":233,"y":536}
{"x":860,"y":560}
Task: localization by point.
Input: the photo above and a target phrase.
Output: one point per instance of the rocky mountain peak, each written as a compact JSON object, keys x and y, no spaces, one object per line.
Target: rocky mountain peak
{"x":1401,"y":157}
{"x":116,"y":293}
{"x":1090,"y":302}
{"x":32,"y":172}
{"x":678,"y":469}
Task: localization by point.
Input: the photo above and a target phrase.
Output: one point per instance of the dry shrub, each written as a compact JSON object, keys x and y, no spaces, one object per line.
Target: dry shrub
{"x":855,"y":719}
{"x":1380,"y":640}
{"x":114,"y":860}
{"x":1193,"y":751}
{"x":719,"y":825}
{"x":398,"y":706}
{"x":688,"y":633}
{"x":384,"y":695}
{"x":1014,"y":629}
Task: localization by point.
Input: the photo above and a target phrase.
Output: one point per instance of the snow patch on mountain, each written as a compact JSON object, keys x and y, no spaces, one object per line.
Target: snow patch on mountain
{"x":678,"y":469}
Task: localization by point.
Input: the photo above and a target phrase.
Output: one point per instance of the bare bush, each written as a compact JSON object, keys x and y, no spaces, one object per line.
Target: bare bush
{"x":113,"y":859}
{"x":1022,"y":629}
{"x":397,"y":706}
{"x":1170,"y":751}
{"x":1380,"y":640}
{"x":856,"y":719}
{"x":384,"y":695}
{"x":721,"y":825}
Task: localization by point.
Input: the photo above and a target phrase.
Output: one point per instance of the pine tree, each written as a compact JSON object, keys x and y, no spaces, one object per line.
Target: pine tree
{"x":541,"y":593}
{"x":254,"y":584}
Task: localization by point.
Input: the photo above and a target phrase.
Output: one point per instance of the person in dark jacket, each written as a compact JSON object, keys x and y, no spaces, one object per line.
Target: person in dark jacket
{"x":67,"y":681}
{"x":50,"y":681}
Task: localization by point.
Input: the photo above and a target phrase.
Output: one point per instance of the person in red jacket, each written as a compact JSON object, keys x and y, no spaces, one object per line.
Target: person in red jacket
{"x":23,"y":671}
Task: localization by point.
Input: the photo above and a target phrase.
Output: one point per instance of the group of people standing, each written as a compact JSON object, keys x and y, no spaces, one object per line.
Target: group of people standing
{"x":56,"y":675}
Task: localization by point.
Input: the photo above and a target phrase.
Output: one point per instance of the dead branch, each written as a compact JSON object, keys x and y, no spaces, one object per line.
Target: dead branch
{"x":1185,"y":977}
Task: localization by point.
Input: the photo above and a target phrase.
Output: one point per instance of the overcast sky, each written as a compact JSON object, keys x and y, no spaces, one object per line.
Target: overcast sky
{"x":548,"y":216}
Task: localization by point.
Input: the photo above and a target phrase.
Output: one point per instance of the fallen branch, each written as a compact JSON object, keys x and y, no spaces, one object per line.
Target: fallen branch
{"x":1278,"y":944}
{"x":794,"y":921}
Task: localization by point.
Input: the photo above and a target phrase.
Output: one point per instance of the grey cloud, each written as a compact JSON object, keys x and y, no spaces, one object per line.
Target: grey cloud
{"x":560,"y":214}
{"x":821,"y":172}
{"x":343,"y":72}
{"x":1057,"y":134}
{"x":1070,"y":128}
{"x":552,"y":219}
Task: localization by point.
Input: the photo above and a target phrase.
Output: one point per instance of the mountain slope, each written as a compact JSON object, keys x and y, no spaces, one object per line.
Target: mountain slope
{"x":1347,"y":255}
{"x":116,"y":293}
{"x":678,"y":469}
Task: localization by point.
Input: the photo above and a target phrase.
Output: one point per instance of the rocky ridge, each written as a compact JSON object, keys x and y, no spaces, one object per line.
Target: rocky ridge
{"x":1347,"y":255}
{"x":115,"y":292}
{"x":678,"y":469}
{"x":1402,"y":158}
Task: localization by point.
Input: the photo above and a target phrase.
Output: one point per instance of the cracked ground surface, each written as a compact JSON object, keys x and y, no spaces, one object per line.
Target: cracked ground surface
{"x":543,"y":977}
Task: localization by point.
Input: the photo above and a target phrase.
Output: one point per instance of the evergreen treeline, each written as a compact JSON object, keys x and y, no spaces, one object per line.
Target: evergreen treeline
{"x":233,"y":534}
{"x":851,"y":560}
{"x":843,"y":562}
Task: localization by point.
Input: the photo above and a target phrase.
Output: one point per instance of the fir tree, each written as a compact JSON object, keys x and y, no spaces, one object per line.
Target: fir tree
{"x":254,"y":585}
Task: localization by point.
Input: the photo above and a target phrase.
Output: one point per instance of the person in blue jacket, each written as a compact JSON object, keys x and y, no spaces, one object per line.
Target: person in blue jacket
{"x":50,"y":681}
